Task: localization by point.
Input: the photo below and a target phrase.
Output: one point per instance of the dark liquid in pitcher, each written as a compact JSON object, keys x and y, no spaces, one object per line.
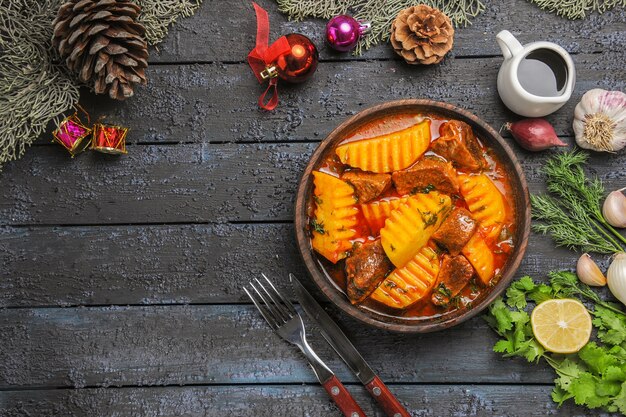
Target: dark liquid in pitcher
{"x":543,"y":72}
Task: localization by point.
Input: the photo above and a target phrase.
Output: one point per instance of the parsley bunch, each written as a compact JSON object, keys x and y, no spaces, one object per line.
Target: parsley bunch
{"x":595,"y":376}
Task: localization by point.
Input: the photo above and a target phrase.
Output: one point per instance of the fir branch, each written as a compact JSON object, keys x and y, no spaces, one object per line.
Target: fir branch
{"x":158,"y":15}
{"x":577,"y":9}
{"x":380,"y":14}
{"x":33,"y":89}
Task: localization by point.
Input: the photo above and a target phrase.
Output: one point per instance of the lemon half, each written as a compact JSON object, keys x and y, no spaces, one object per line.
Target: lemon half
{"x":561,"y":326}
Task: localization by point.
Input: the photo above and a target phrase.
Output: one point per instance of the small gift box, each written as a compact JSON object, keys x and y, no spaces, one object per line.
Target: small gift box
{"x":72,"y":135}
{"x":109,"y":139}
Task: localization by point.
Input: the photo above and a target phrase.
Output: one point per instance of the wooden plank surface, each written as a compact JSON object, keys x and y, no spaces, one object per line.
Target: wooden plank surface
{"x":187,"y":183}
{"x":193,"y":103}
{"x":225,"y":30}
{"x":227,"y":344}
{"x":150,"y":250}
{"x":281,"y":400}
{"x":156,"y":264}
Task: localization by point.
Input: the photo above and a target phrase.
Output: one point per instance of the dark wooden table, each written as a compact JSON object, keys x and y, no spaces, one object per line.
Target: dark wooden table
{"x":120,"y":277}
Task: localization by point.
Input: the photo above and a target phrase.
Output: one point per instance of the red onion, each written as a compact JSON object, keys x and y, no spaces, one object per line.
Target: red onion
{"x":534,"y":134}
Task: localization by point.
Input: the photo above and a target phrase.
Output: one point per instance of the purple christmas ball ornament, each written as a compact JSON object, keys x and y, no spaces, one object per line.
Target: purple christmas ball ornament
{"x":343,"y":32}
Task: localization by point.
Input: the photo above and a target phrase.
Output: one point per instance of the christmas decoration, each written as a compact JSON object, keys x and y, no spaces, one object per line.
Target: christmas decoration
{"x":157,"y":15}
{"x":299,"y":64}
{"x":35,"y":89}
{"x":72,"y":135}
{"x":422,"y":35}
{"x":103,"y":43}
{"x":577,"y":9}
{"x":381,"y":13}
{"x":343,"y":32}
{"x":292,"y":58}
{"x":109,"y":139}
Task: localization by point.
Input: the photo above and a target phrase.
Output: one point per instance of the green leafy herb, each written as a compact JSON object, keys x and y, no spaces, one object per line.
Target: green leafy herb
{"x":595,"y":377}
{"x":424,"y":190}
{"x":428,"y":218}
{"x":571,"y":212}
{"x":318,"y":226}
{"x":456,"y":301}
{"x":443,"y":290}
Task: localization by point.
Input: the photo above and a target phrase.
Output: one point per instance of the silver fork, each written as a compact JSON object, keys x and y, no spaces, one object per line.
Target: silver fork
{"x":283,"y":318}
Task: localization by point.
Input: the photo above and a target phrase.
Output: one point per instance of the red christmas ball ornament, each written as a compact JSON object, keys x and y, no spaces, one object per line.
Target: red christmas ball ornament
{"x":300,"y":62}
{"x":292,"y":58}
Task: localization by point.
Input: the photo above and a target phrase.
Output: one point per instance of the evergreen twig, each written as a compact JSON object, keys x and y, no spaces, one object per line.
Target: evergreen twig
{"x":34,"y":88}
{"x":577,"y":9}
{"x":380,"y":14}
{"x":158,"y":15}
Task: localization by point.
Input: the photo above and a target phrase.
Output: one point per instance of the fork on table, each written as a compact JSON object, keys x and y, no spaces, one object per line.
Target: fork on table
{"x":283,"y":318}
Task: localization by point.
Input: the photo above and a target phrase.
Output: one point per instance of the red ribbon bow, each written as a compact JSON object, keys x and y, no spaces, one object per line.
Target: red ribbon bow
{"x":262,"y":58}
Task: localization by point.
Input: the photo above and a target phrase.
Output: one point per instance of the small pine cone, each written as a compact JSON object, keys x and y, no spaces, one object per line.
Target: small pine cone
{"x":422,"y":35}
{"x":102,"y":42}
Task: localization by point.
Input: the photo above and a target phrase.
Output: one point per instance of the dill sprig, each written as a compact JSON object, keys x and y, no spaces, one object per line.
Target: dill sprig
{"x":571,"y":214}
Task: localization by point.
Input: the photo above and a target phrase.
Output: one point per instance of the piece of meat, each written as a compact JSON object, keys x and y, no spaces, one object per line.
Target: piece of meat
{"x":455,"y":231}
{"x":455,"y":273}
{"x":366,"y":268}
{"x":367,"y":185}
{"x":427,"y":174}
{"x":465,"y":132}
{"x":458,"y":145}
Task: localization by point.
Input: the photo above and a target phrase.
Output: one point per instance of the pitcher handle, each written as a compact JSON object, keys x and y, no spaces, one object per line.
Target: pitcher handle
{"x":508,"y":44}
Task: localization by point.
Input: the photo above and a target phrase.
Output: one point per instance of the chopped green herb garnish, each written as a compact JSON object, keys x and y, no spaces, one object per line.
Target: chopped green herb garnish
{"x":317,"y":226}
{"x":424,"y":190}
{"x":473,"y":287}
{"x":443,"y":290}
{"x":428,"y":218}
{"x":455,"y":301}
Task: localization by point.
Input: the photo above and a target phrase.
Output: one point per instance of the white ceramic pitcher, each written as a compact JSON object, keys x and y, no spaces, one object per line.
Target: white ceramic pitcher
{"x":514,"y":96}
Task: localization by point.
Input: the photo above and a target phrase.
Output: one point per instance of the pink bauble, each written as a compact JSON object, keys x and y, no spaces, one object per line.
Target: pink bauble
{"x":343,"y":32}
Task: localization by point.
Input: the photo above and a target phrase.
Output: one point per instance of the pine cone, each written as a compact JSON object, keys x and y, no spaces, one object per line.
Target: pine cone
{"x":422,"y":35}
{"x":102,"y":41}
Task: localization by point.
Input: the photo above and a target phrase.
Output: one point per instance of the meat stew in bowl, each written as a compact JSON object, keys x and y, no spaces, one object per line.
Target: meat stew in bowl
{"x":412,"y":216}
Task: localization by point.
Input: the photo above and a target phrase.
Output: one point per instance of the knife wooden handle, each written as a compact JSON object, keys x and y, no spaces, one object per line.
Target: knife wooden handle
{"x":386,"y":399}
{"x":341,"y":396}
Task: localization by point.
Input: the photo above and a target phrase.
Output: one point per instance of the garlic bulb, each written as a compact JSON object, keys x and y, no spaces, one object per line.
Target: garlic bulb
{"x":589,"y":272}
{"x":614,"y":208}
{"x":616,"y":277}
{"x":600,"y":120}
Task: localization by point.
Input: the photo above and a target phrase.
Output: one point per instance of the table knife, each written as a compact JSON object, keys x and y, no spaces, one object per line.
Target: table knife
{"x":346,"y":350}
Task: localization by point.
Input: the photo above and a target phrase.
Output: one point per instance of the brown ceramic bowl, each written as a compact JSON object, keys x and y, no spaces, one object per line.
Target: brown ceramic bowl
{"x":491,"y":139}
